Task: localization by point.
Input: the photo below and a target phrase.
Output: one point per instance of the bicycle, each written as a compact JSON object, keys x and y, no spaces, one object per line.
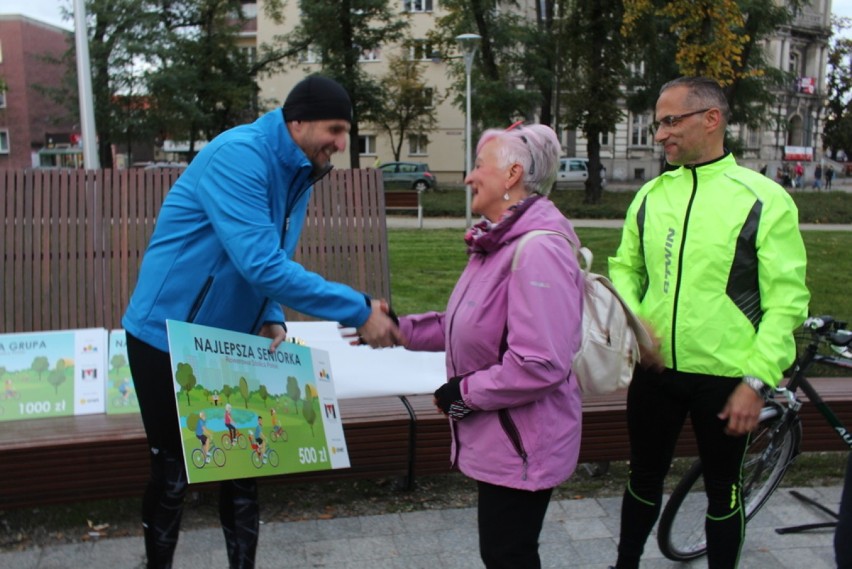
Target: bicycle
{"x":238,"y":441}
{"x":216,"y":455}
{"x":279,"y":434}
{"x":773,"y":447}
{"x":258,"y":459}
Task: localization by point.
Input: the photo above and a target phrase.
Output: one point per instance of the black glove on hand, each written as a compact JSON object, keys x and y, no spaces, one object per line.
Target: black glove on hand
{"x":448,"y":398}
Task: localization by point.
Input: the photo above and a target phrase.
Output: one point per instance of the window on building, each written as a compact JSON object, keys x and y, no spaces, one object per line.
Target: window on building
{"x":250,"y":53}
{"x":417,"y":5}
{"x":428,"y":95}
{"x":4,"y":141}
{"x":374,"y":54}
{"x":310,"y":55}
{"x":1,"y":52}
{"x":640,"y":126}
{"x":2,"y":99}
{"x":420,"y":50}
{"x":418,"y":144}
{"x":367,"y":144}
{"x":604,"y":139}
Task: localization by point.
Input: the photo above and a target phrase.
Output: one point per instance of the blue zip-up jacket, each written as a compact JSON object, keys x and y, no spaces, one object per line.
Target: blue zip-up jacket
{"x":218,"y":257}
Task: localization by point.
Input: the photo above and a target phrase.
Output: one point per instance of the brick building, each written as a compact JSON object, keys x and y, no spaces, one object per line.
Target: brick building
{"x":27,"y":118}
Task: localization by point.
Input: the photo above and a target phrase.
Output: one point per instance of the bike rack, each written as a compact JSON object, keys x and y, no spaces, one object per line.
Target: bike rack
{"x":805,"y":527}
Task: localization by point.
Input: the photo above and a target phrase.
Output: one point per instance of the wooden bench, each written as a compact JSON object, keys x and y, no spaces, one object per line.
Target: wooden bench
{"x":97,"y":456}
{"x":405,"y":200}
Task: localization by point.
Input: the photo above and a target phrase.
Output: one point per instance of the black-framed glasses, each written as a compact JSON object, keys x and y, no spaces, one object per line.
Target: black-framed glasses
{"x":673,"y":120}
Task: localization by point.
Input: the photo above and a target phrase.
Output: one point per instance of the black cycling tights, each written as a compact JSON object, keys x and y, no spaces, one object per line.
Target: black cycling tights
{"x":162,"y":505}
{"x":657,"y":406}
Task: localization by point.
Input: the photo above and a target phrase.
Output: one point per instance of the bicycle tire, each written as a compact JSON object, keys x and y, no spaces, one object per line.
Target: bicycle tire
{"x":198,"y":458}
{"x":227,"y":444}
{"x":256,"y":459}
{"x":218,"y":457}
{"x":773,"y":446}
{"x":273,"y":458}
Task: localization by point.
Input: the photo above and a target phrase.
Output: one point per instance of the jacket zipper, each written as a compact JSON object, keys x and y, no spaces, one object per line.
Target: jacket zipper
{"x":680,"y":266}
{"x":514,"y":435}
{"x":256,"y":324}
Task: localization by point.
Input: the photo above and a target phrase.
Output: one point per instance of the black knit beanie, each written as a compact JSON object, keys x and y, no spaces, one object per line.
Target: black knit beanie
{"x":317,"y":98}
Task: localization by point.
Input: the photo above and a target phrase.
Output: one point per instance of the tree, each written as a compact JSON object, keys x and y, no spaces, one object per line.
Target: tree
{"x":837,"y":134}
{"x":339,"y":32}
{"x":57,"y":377}
{"x":120,"y":32}
{"x":244,"y":390}
{"x":263,"y":393}
{"x":503,"y":61}
{"x":597,"y":57}
{"x":185,"y":377}
{"x":117,"y":362}
{"x":409,"y":105}
{"x":722,"y":39}
{"x":294,"y":392}
{"x":202,"y":83}
{"x":308,"y":411}
{"x":40,"y":365}
{"x":227,"y":391}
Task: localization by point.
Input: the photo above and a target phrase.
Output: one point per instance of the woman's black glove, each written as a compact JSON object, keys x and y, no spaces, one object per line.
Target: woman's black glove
{"x":449,"y":400}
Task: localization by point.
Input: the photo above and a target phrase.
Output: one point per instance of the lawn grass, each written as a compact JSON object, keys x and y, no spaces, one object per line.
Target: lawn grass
{"x":814,"y":207}
{"x":425,"y":265}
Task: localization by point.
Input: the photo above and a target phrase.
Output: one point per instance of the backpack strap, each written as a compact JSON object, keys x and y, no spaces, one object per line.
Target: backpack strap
{"x":584,"y":256}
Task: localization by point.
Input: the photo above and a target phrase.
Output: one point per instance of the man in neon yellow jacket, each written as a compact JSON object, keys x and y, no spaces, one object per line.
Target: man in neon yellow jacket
{"x":712,"y":260}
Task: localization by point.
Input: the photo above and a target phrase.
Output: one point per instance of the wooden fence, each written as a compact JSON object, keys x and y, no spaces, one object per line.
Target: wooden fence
{"x":72,"y":241}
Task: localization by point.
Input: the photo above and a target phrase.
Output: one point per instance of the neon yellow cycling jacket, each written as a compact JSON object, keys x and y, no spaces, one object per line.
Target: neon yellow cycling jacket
{"x":712,"y":257}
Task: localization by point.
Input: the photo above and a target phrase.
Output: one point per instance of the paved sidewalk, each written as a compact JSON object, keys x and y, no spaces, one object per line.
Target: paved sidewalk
{"x":578,"y":534}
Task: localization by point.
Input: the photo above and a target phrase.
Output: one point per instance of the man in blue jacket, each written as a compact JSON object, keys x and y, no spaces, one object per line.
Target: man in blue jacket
{"x":221,"y":255}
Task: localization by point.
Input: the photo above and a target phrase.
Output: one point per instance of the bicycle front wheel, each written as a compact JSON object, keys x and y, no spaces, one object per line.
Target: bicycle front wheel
{"x":773,"y":446}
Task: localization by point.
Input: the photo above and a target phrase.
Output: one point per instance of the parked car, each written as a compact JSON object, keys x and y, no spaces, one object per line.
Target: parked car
{"x":576,"y":171}
{"x":413,"y":174}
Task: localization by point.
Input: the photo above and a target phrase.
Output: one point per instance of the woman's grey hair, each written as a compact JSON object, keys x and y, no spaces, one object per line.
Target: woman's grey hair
{"x":703,"y":92}
{"x":535,"y":147}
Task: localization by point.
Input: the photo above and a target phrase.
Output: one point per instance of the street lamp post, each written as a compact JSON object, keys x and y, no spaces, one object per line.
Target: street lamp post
{"x":468,"y":44}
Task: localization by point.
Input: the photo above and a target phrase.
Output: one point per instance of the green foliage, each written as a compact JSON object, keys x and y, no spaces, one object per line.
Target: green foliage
{"x":838,"y":121}
{"x":227,"y":391}
{"x":244,"y":390}
{"x":294,"y":392}
{"x":117,"y":362}
{"x":58,"y":376}
{"x":263,"y":393}
{"x":339,"y":32}
{"x":40,"y":365}
{"x":822,"y":207}
{"x":308,"y":411}
{"x":500,"y":65}
{"x":405,"y":108}
{"x":425,"y":266}
{"x":185,"y":377}
{"x":720,"y":39}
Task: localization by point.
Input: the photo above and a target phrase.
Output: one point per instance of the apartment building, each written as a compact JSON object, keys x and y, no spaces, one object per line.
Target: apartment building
{"x":629,"y":153}
{"x":29,"y":121}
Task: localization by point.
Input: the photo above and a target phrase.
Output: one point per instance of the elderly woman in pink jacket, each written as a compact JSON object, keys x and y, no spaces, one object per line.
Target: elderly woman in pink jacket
{"x":510,"y":335}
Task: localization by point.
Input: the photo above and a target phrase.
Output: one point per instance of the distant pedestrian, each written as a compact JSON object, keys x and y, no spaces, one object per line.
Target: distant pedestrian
{"x":763,"y":170}
{"x":829,"y":176}
{"x":800,"y":174}
{"x":817,"y":177}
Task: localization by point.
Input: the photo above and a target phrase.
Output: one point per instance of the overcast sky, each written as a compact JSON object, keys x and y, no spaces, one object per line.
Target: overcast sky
{"x":48,"y":10}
